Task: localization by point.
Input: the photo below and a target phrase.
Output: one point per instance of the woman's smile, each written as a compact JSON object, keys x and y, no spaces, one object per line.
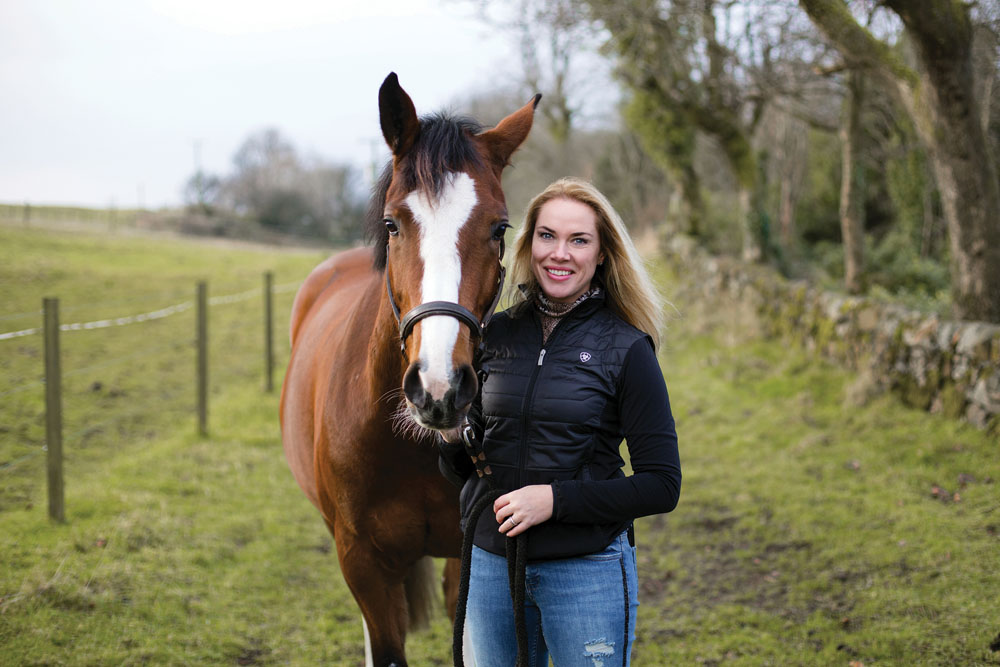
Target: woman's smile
{"x":558,"y":274}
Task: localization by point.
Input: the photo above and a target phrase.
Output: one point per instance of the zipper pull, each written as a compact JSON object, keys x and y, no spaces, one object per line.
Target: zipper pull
{"x":541,"y":356}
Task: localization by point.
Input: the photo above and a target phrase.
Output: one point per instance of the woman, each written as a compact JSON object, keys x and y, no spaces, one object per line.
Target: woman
{"x":568,"y":371}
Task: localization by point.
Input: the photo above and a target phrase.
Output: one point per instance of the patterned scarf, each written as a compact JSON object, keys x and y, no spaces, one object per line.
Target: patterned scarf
{"x":553,"y":311}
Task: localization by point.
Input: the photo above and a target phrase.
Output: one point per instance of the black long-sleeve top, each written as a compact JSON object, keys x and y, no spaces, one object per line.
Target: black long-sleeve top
{"x":561,"y":420}
{"x":655,"y":484}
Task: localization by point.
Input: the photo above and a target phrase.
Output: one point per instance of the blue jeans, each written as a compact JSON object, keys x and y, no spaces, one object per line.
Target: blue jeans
{"x":575,"y":609}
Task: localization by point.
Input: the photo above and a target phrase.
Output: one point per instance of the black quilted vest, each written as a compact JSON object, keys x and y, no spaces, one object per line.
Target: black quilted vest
{"x":550,"y":414}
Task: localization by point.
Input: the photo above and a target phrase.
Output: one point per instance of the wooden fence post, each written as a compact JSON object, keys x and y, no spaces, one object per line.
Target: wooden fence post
{"x":53,"y":410}
{"x":268,"y":332}
{"x":202,"y":344}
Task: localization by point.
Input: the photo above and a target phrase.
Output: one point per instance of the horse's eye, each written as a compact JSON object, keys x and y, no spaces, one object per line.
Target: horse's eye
{"x":499,"y":230}
{"x":391,"y":225}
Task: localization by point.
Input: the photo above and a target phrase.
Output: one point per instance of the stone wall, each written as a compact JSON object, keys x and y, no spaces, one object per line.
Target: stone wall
{"x":950,"y":367}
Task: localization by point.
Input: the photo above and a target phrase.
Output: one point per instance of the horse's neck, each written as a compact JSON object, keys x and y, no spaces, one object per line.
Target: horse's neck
{"x":385,"y":361}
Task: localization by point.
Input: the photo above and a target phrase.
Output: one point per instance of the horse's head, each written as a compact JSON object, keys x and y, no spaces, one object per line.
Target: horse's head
{"x":443,"y":218}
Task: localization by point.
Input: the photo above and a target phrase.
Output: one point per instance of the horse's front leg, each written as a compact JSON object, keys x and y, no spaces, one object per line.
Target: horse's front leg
{"x":379,"y":591}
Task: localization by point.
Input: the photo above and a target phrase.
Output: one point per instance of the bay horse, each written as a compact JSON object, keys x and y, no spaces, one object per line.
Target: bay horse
{"x":383,"y":344}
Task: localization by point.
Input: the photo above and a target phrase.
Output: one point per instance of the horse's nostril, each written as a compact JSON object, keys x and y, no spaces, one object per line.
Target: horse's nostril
{"x":413,"y":388}
{"x":466,"y":388}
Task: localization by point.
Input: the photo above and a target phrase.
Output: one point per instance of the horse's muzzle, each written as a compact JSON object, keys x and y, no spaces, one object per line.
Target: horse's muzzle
{"x":444,"y":412}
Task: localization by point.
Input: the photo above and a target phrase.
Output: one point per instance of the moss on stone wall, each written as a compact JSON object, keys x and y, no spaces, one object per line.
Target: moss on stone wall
{"x":941,"y":366}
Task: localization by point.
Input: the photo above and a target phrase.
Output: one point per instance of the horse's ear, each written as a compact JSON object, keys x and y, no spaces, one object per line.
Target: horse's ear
{"x":400,"y":125}
{"x":511,"y":132}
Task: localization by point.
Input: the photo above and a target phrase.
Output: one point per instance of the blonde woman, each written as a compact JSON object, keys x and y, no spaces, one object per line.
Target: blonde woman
{"x":569,"y":371}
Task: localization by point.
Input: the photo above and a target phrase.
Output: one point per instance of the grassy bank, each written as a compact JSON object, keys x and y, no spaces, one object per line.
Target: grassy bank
{"x":817,"y":525}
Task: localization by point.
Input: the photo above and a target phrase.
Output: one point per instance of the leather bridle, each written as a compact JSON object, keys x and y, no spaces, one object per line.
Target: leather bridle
{"x":456,"y":310}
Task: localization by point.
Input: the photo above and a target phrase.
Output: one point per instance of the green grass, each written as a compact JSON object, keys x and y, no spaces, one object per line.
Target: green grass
{"x":188,"y":551}
{"x":125,"y":384}
{"x":808,"y":531}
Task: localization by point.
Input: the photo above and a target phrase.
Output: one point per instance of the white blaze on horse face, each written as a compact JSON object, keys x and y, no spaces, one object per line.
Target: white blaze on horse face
{"x":440,"y":221}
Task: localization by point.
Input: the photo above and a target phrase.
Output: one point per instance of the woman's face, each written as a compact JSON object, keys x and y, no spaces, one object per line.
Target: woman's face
{"x":565,"y":249}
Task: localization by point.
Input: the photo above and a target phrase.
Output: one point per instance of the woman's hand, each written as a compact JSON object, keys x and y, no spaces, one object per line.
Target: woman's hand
{"x":528,"y":506}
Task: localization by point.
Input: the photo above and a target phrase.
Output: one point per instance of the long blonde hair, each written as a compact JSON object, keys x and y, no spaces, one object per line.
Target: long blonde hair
{"x":629,"y":290}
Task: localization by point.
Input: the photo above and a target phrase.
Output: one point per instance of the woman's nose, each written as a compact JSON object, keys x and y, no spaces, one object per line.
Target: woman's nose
{"x":561,"y":251}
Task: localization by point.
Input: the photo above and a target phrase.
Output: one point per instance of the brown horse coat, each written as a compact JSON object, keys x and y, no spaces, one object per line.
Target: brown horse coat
{"x":376,"y":485}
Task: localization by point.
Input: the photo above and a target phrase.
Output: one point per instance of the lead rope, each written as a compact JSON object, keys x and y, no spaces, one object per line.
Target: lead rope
{"x":625,"y":646}
{"x":516,"y":548}
{"x":517,"y":558}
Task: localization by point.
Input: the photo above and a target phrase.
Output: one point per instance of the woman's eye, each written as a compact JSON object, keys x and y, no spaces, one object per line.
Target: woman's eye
{"x":391,"y":225}
{"x":544,"y":235}
{"x":579,"y":241}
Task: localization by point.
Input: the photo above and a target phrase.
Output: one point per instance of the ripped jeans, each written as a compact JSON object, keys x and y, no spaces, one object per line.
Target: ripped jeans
{"x":575,"y":609}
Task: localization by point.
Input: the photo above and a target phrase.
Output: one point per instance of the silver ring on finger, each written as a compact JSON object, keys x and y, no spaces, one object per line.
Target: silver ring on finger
{"x":513,"y":523}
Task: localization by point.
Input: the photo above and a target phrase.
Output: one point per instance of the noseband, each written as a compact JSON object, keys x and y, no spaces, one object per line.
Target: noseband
{"x":456,"y":310}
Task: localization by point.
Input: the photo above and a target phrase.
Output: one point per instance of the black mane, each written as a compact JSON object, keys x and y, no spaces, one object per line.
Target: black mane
{"x":443,"y":145}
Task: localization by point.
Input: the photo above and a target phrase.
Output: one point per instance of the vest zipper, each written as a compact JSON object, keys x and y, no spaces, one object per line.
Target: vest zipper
{"x":522,"y":455}
{"x":529,"y":396}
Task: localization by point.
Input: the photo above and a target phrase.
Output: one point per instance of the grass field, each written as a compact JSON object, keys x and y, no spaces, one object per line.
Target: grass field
{"x":124,"y":384}
{"x":811,"y":530}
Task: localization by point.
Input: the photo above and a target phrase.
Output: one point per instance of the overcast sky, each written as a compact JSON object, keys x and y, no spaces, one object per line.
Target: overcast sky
{"x":104,"y":101}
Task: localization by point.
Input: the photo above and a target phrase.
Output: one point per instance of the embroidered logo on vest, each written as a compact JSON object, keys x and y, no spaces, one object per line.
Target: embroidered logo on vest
{"x":585,"y":357}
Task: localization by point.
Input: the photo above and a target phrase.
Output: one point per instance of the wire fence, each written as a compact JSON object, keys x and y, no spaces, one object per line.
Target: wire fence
{"x":107,"y":382}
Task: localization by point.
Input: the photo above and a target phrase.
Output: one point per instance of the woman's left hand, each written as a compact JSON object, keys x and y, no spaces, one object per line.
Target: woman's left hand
{"x":528,"y":506}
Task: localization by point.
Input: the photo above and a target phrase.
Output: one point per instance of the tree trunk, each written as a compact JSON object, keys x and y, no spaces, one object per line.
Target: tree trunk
{"x":691,"y":191}
{"x":852,"y":226}
{"x":786,"y":214}
{"x":751,"y":247}
{"x":944,"y":107}
{"x":793,"y":158}
{"x":941,"y":99}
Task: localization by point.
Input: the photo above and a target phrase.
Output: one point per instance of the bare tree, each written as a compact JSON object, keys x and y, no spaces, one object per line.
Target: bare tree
{"x":265,"y":163}
{"x":709,"y":67}
{"x":558,"y":47}
{"x":202,"y":191}
{"x":783,"y":139}
{"x":274,"y":185}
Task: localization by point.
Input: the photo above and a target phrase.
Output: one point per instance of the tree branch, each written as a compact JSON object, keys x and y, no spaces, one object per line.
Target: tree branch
{"x":858,"y":46}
